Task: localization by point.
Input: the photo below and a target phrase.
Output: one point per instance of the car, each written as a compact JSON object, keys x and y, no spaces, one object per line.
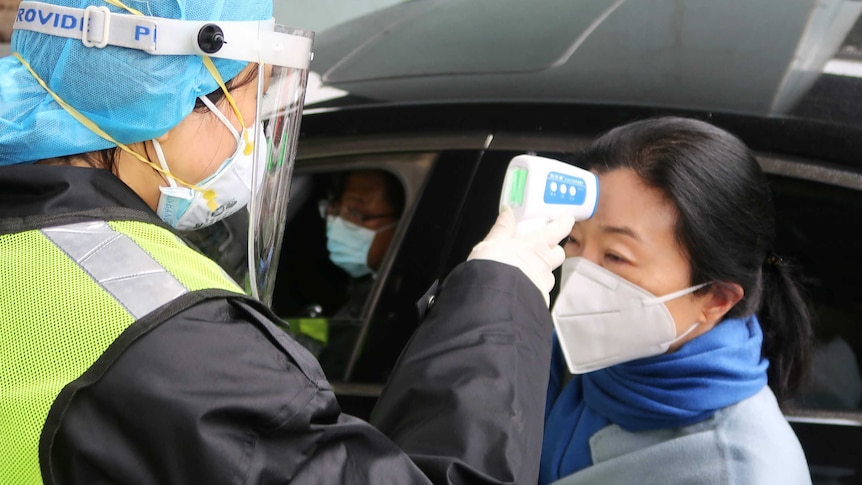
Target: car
{"x":444,"y":93}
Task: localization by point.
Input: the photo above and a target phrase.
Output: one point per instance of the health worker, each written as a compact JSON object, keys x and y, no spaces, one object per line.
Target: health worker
{"x":129,"y":357}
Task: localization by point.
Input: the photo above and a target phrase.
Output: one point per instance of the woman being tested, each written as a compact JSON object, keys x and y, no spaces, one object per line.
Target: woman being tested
{"x":128,"y":357}
{"x":673,"y":315}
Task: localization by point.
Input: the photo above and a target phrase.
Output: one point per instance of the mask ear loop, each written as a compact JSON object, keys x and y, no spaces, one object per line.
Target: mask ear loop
{"x":682,"y":336}
{"x":161,"y":156}
{"x":217,"y":112}
{"x":209,"y":195}
{"x":208,"y":63}
{"x":675,"y":294}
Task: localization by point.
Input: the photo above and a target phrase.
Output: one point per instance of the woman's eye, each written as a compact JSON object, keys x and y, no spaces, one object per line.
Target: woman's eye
{"x":613,"y":258}
{"x":571,"y":240}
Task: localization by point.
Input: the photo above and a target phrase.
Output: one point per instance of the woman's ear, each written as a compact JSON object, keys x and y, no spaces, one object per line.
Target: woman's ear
{"x":721,"y":298}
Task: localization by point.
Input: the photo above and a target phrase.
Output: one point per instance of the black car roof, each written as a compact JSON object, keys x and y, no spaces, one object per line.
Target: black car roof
{"x":774,"y":58}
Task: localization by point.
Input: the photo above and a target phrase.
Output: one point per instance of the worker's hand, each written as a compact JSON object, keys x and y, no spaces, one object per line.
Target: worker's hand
{"x":537,"y":253}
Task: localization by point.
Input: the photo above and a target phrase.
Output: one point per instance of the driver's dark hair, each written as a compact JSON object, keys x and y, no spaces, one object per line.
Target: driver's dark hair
{"x":725,"y":225}
{"x":393,"y":189}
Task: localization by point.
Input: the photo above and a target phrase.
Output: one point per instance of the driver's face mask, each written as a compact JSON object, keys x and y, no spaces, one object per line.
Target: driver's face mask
{"x":348,"y":245}
{"x":602,"y":319}
{"x":218,"y":196}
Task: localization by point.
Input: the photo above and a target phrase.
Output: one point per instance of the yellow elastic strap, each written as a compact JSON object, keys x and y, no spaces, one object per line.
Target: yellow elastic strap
{"x":124,"y":7}
{"x":209,"y":195}
{"x":249,"y":146}
{"x":208,"y":63}
{"x":95,"y":129}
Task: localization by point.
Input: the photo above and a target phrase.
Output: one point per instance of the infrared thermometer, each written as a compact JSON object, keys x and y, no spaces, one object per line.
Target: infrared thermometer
{"x":538,"y":189}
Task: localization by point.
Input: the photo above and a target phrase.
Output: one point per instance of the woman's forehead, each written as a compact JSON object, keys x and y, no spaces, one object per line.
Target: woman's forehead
{"x":628,"y":208}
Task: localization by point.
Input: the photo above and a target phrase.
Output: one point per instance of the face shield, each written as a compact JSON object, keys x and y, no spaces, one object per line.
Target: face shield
{"x":279,"y":110}
{"x":282,"y":54}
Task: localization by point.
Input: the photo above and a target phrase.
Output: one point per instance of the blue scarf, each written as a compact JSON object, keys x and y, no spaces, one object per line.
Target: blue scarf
{"x":714,"y":370}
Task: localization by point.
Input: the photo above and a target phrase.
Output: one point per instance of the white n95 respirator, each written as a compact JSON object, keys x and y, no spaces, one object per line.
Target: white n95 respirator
{"x":601,"y":319}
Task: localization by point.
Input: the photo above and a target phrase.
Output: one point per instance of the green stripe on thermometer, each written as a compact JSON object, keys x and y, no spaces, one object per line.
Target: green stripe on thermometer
{"x":517,"y":187}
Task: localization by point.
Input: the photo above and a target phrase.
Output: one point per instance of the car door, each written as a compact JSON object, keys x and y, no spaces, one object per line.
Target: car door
{"x":362,"y":350}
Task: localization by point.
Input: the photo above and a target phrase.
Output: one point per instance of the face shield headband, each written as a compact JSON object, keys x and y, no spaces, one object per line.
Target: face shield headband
{"x":282,"y":55}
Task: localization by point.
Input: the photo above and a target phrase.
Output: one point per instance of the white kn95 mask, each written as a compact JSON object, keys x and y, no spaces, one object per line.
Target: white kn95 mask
{"x":602,"y":319}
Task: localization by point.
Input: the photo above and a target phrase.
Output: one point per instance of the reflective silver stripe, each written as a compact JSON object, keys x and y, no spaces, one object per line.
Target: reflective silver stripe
{"x":118,"y":264}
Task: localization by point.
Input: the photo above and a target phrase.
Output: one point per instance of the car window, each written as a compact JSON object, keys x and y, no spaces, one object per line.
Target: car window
{"x":813,"y":219}
{"x":343,"y":230}
{"x":430,"y":237}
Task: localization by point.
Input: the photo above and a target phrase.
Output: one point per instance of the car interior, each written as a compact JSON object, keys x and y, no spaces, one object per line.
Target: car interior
{"x":312,"y":292}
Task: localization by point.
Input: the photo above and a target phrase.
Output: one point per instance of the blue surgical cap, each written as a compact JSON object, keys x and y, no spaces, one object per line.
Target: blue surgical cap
{"x":130,"y":94}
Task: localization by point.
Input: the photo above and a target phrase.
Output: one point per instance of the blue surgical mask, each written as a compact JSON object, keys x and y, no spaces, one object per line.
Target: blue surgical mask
{"x":348,"y":245}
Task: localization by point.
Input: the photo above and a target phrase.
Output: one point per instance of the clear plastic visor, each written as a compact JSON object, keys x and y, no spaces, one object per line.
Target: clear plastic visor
{"x":279,"y":108}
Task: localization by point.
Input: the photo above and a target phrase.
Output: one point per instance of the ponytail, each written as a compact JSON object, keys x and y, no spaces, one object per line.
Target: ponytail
{"x":787,"y":331}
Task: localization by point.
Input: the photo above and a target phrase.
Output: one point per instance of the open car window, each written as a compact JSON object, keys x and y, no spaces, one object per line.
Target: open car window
{"x":344,"y":212}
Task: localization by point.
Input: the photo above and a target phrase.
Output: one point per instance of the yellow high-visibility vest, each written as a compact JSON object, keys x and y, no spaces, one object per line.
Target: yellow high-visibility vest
{"x":66,"y":294}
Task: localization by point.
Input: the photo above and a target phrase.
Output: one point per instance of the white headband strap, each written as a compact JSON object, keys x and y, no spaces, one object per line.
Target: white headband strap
{"x":250,"y":41}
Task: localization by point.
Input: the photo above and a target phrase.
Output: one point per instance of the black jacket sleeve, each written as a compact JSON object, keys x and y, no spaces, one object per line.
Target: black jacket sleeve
{"x":467,"y":398}
{"x":219,"y":394}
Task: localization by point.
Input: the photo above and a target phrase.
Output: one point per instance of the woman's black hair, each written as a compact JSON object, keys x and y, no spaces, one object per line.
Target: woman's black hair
{"x":218,"y":95}
{"x":725,"y":225}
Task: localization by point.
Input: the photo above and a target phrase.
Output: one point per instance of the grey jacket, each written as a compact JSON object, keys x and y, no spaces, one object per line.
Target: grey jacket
{"x":747,"y":443}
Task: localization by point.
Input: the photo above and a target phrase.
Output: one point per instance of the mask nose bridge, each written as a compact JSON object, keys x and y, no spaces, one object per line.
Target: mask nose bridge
{"x":597,"y":273}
